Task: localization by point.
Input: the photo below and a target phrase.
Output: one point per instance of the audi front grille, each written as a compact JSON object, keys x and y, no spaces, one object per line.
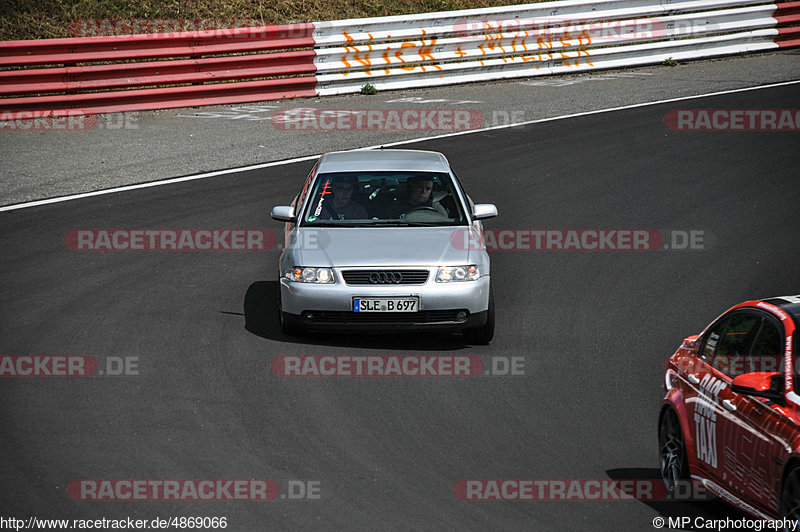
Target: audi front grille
{"x":386,"y":277}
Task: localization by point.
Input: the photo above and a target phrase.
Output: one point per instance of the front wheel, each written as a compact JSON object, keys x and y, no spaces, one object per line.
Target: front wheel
{"x":483,"y":335}
{"x":672,"y":453}
{"x":790,"y":497}
{"x":289,"y":324}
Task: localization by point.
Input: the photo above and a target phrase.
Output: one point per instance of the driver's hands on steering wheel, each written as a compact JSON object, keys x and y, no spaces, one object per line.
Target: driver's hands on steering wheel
{"x":423,"y":207}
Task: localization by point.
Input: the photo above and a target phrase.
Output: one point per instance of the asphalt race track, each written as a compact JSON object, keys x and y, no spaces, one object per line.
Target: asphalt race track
{"x":592,"y":327}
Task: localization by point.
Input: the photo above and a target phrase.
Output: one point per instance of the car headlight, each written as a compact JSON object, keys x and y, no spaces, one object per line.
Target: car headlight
{"x":449,"y":274}
{"x":300,"y":274}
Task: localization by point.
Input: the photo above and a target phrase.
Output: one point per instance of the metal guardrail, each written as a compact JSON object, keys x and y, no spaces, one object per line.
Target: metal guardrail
{"x":203,"y":68}
{"x":538,"y":39}
{"x":152,"y":71}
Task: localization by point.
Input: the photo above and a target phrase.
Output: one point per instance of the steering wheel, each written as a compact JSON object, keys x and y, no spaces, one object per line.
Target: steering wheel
{"x":423,"y":208}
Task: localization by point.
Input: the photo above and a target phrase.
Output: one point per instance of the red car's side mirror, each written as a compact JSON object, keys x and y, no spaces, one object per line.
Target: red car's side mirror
{"x":690,"y":341}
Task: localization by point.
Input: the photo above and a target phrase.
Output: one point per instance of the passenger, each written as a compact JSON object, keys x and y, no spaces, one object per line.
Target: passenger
{"x":343,"y":206}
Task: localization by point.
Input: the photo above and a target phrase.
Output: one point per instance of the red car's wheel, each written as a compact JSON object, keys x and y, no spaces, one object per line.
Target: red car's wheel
{"x":790,"y":497}
{"x":672,"y":452}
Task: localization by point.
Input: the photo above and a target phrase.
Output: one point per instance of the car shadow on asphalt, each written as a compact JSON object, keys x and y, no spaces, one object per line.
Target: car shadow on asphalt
{"x":695,"y":502}
{"x":261,"y":319}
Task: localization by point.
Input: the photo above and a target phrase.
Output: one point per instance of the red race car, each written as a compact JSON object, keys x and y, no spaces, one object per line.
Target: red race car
{"x":730,"y":418}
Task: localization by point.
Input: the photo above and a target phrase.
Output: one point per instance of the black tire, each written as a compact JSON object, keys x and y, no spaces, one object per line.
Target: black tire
{"x":290,"y":325}
{"x":483,"y":335}
{"x":672,"y":452}
{"x":790,"y":496}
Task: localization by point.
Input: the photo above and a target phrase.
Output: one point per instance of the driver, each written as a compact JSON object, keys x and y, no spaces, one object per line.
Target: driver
{"x":418,"y":195}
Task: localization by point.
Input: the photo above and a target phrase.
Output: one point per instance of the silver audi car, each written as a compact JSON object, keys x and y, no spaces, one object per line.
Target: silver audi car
{"x":385,"y":240}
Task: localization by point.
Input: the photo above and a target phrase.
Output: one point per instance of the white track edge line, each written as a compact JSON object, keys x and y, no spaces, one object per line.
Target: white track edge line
{"x":170,"y":181}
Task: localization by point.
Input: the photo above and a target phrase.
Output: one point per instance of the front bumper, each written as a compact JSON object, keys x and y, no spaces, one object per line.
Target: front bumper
{"x":327,"y":307}
{"x":420,"y":321}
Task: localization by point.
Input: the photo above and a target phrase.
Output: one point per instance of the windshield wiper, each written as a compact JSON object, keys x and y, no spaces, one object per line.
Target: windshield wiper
{"x":401,"y":223}
{"x":330,"y":224}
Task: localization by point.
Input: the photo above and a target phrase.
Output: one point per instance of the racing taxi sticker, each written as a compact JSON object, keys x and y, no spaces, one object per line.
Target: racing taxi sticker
{"x":705,"y":418}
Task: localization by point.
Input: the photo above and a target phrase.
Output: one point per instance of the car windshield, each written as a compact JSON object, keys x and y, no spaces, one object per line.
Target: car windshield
{"x":358,"y":199}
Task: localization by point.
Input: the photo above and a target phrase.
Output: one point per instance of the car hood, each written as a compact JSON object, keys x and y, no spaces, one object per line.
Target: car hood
{"x":380,"y":246}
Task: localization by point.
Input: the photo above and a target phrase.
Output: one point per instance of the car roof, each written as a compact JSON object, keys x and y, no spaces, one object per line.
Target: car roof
{"x":788,"y":304}
{"x":383,"y":160}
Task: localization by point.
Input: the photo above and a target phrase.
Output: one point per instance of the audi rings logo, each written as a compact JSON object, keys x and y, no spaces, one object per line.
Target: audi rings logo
{"x":385,"y":277}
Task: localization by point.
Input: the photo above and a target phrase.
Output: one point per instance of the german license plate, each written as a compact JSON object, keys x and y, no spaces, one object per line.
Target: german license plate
{"x":385,"y":304}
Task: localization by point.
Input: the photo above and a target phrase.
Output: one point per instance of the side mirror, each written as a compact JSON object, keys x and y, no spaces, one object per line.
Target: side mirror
{"x":759,"y":384}
{"x":690,"y":342}
{"x":481,"y":211}
{"x":284,"y":213}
